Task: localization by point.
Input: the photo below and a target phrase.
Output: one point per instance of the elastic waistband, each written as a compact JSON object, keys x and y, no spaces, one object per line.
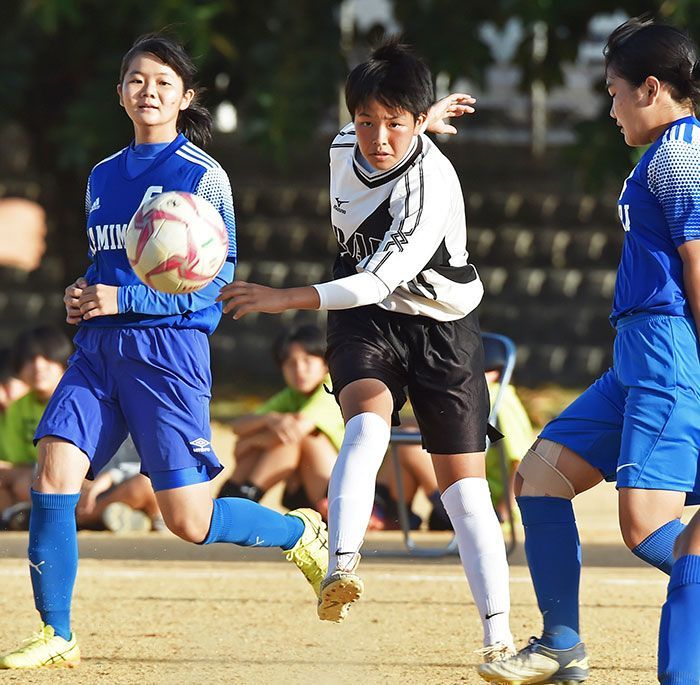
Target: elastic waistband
{"x":636,"y":319}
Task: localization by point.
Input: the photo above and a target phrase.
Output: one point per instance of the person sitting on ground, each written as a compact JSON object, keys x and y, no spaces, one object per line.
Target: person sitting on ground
{"x":120,"y":498}
{"x":416,"y":466}
{"x":295,"y":435}
{"x":39,"y":358}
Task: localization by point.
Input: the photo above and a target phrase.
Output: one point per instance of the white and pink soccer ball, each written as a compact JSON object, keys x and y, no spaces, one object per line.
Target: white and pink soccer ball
{"x":176,"y":242}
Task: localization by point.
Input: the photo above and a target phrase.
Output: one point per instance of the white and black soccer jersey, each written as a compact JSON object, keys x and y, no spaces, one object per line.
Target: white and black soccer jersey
{"x":406,"y":226}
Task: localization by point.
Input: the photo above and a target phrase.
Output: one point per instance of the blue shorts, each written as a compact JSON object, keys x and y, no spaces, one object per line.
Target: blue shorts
{"x":639,"y":423}
{"x":154,"y":383}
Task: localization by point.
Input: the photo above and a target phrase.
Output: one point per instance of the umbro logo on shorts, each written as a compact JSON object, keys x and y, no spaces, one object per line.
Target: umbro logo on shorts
{"x":200,"y":445}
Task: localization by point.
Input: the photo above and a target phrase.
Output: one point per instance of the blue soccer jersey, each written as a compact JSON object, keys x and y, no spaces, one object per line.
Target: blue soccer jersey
{"x":112,"y":198}
{"x":659,"y":208}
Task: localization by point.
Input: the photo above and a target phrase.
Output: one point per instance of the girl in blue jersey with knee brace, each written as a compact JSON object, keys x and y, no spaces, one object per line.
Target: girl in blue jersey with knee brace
{"x":639,"y":423}
{"x":141,"y":364}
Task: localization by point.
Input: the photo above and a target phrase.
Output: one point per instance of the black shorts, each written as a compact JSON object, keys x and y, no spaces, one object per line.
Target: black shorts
{"x":439,"y":363}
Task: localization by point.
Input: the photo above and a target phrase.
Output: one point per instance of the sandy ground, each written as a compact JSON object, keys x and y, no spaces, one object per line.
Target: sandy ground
{"x":152,"y":609}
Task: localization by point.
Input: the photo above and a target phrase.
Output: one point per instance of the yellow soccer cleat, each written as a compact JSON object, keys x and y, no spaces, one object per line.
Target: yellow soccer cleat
{"x":44,"y":649}
{"x":339,"y":591}
{"x":310,"y":554}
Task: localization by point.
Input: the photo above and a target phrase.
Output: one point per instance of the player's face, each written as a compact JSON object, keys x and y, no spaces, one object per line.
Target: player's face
{"x":303,"y":371}
{"x":630,"y":110}
{"x":384,"y":134}
{"x":42,"y":376}
{"x":153,"y":95}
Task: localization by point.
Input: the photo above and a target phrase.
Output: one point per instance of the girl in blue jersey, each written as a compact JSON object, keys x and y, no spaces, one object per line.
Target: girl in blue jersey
{"x":637,"y":424}
{"x":141,"y":364}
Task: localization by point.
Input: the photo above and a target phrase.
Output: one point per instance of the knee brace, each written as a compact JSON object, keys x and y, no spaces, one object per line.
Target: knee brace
{"x":540,"y":473}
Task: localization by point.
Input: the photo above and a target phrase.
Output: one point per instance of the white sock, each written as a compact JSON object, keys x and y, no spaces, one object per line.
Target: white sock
{"x":351,"y":488}
{"x":483,"y":554}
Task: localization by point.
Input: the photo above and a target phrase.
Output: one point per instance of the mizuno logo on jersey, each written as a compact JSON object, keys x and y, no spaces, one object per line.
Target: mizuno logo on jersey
{"x":95,"y":205}
{"x":200,"y":445}
{"x":338,"y":206}
{"x":106,"y":237}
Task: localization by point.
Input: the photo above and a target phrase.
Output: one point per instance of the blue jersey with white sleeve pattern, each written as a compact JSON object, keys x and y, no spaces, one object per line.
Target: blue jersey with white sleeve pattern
{"x":112,"y":198}
{"x":659,"y":208}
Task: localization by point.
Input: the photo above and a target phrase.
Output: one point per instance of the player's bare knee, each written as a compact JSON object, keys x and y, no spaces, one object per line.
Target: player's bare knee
{"x":539,"y":473}
{"x":188,"y":529}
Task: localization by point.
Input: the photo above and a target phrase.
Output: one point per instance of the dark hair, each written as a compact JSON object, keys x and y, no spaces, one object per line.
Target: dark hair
{"x":308,"y":336}
{"x":640,"y":48}
{"x":43,"y":341}
{"x":393,"y":76}
{"x":195,"y":122}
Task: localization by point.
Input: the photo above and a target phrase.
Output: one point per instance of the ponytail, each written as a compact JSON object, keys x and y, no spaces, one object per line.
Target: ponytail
{"x":195,"y":123}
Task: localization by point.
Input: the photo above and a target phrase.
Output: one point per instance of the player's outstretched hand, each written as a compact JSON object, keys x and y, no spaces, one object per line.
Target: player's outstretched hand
{"x":454,"y":105}
{"x":243,"y":298}
{"x":71,"y":299}
{"x":98,"y":300}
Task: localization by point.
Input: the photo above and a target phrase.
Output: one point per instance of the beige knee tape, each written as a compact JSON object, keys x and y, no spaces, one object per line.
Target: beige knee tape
{"x":541,"y":477}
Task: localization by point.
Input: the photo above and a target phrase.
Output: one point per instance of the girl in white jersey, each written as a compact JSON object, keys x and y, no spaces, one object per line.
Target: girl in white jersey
{"x":402,"y":315}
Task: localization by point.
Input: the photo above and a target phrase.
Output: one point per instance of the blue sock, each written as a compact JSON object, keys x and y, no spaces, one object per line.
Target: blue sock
{"x":553,"y":554}
{"x":657,"y":549}
{"x":53,"y":557}
{"x":249,"y":524}
{"x":679,"y":633}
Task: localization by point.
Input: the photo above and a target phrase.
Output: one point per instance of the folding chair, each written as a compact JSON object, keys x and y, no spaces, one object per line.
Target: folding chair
{"x":500,"y":353}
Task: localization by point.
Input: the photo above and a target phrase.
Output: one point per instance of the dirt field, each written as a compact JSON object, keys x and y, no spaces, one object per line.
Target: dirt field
{"x":224,"y":615}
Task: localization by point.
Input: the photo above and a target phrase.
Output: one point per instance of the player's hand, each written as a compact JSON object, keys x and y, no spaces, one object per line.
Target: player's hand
{"x":454,"y":105}
{"x":98,"y":300}
{"x":243,"y":298}
{"x":71,"y":299}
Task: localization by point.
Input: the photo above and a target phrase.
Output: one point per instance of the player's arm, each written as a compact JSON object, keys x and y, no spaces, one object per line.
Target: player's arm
{"x":413,"y":237}
{"x":673,"y":178}
{"x":102,"y":300}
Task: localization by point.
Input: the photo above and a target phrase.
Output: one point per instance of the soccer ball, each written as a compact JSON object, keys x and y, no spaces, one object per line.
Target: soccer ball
{"x":176,"y":242}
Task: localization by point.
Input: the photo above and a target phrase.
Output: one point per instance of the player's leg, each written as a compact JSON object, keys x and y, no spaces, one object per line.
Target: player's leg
{"x":167,"y":412}
{"x":462,"y":481}
{"x":679,"y":632}
{"x":67,"y":449}
{"x":650,"y":523}
{"x":570,"y":456}
{"x":367,"y":405}
{"x":188,"y":510}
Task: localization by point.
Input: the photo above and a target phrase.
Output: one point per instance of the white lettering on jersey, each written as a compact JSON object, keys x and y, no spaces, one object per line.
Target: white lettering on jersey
{"x":106,"y":237}
{"x":624,"y":213}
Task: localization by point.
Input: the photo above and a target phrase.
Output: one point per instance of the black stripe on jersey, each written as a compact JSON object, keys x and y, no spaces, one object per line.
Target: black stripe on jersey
{"x":351,"y":132}
{"x":391,"y":174}
{"x":457,"y":274}
{"x":399,"y":238}
{"x":342,"y":145}
{"x":421,"y":279}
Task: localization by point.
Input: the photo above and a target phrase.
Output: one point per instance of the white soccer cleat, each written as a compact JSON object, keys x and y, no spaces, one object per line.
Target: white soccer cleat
{"x":339,"y":591}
